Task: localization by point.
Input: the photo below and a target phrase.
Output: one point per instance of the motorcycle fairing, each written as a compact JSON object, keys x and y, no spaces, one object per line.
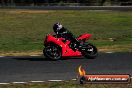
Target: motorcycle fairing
{"x":66,"y":50}
{"x":84,"y":36}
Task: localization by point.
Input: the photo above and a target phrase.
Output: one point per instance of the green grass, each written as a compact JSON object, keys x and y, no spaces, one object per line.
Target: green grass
{"x":71,"y":84}
{"x":25,"y":31}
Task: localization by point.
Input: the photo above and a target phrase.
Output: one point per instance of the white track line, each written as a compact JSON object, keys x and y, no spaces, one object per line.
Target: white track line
{"x":55,"y":80}
{"x":19,"y":82}
{"x":109,"y":52}
{"x":36,"y":81}
{"x":34,"y":55}
{"x":74,"y":79}
{"x":2,"y":56}
{"x":4,"y":83}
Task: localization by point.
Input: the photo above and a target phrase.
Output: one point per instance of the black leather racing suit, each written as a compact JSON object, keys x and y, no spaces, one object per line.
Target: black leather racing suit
{"x":64,"y":33}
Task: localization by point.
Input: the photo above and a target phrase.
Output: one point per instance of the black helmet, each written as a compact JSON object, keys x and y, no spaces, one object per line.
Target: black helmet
{"x":57,"y":26}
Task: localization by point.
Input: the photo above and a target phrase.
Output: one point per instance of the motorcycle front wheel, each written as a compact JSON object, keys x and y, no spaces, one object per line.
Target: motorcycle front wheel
{"x":52,"y":52}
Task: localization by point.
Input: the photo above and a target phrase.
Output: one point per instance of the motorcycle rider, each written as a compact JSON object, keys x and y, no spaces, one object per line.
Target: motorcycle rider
{"x":64,"y":33}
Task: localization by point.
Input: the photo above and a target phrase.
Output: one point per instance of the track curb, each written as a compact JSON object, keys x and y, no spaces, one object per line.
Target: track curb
{"x":35,"y":55}
{"x":7,"y":83}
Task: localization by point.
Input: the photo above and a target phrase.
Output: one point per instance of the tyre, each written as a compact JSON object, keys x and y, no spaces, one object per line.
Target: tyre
{"x":90,"y":51}
{"x":52,"y":51}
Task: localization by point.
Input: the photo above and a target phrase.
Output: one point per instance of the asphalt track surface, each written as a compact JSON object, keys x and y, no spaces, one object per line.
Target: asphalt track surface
{"x":118,"y":8}
{"x":37,"y":68}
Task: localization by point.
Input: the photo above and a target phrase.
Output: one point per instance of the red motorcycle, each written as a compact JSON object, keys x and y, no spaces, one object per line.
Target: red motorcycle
{"x":56,"y":48}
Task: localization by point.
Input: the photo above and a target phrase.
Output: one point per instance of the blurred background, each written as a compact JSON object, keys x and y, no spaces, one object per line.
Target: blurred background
{"x":65,"y":2}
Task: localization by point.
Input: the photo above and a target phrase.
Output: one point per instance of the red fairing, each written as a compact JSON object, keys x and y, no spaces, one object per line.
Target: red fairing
{"x":66,"y":50}
{"x":84,"y":36}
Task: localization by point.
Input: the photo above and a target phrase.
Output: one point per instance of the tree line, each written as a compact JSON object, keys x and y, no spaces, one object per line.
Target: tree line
{"x":35,"y":2}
